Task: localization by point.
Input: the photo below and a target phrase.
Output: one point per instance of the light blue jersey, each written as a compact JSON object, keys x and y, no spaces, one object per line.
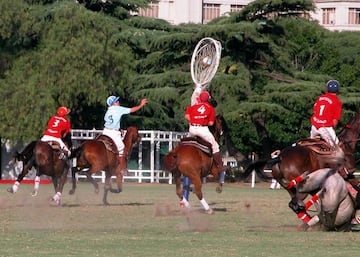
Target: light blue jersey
{"x":113,"y":116}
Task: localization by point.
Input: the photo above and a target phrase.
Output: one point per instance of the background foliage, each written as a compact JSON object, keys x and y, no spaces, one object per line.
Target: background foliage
{"x":273,"y":67}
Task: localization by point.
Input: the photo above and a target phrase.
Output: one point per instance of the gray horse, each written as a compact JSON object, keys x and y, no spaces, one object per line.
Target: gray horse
{"x":335,"y":206}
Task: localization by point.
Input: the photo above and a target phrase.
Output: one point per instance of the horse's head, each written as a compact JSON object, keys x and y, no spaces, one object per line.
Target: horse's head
{"x":348,"y":138}
{"x":131,"y":138}
{"x":217,"y":128}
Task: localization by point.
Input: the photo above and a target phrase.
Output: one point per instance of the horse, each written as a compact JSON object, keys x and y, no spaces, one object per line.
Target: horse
{"x":101,"y":154}
{"x":290,"y":163}
{"x":45,"y":158}
{"x":192,"y":158}
{"x":334,"y":204}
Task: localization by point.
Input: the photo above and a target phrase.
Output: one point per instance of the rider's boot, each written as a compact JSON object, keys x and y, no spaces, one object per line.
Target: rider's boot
{"x":219,"y":163}
{"x":64,"y":154}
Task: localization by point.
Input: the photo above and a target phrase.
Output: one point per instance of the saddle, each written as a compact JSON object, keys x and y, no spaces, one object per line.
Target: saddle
{"x":317,"y":145}
{"x":198,"y":143}
{"x":108,"y":142}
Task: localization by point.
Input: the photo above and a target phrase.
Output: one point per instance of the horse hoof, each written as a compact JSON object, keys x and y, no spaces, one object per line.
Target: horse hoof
{"x":218,"y":189}
{"x":303,"y":227}
{"x":210,"y":211}
{"x":34,"y":193}
{"x":71,"y":192}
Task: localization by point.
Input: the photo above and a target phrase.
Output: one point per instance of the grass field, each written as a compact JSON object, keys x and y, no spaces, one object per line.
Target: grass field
{"x":146,"y":220}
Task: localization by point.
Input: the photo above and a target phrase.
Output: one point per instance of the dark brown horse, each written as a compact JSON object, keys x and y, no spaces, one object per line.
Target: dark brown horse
{"x":292,"y":162}
{"x":44,"y":157}
{"x":101,"y":154}
{"x":191,"y":161}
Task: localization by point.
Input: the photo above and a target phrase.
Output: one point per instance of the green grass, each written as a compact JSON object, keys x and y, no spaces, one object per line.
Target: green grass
{"x":145,"y":220}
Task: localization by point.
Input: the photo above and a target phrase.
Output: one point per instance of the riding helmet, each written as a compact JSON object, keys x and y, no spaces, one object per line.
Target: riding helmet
{"x":204,"y":96}
{"x":62,"y":111}
{"x":112,"y":99}
{"x":332,"y":86}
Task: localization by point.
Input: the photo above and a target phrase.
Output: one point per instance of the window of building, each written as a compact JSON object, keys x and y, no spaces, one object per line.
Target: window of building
{"x":328,"y":16}
{"x":236,"y":7}
{"x":210,"y":11}
{"x":354,"y":15}
{"x":152,"y":11}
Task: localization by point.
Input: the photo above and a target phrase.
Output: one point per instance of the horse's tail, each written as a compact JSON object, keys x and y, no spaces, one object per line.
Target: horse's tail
{"x":26,"y":154}
{"x":75,"y":152}
{"x":258,"y":167}
{"x":170,"y":161}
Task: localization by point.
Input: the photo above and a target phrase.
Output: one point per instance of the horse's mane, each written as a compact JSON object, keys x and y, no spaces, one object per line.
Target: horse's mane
{"x":350,"y":132}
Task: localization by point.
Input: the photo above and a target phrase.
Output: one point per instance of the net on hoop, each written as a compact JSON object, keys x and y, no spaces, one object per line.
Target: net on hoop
{"x":205,"y":61}
{"x":204,"y":64}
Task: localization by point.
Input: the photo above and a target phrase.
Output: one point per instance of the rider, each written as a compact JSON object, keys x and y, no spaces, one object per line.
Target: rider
{"x":58,"y":127}
{"x":200,"y":116}
{"x":112,"y":119}
{"x":327,"y":113}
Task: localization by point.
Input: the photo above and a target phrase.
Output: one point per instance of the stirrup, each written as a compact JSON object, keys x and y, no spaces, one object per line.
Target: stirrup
{"x":62,"y":156}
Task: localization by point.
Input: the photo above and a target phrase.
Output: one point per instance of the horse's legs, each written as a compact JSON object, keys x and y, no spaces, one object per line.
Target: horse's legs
{"x":186,"y":187}
{"x":93,"y":182}
{"x":21,"y":176}
{"x":183,"y":201}
{"x":221,"y":182}
{"x":107,"y":187}
{"x":59,"y":185}
{"x":36,"y":185}
{"x":73,"y":179}
{"x":57,"y":196}
{"x":197,"y":186}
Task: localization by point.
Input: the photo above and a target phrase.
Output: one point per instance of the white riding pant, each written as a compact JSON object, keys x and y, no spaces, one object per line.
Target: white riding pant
{"x":47,"y":138}
{"x":115,"y":135}
{"x":326,"y":133}
{"x":204,"y":133}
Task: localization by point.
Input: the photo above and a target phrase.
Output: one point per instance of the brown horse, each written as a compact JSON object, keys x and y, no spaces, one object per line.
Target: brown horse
{"x":292,"y":162}
{"x":190,"y":160}
{"x":101,"y":154}
{"x":44,"y":157}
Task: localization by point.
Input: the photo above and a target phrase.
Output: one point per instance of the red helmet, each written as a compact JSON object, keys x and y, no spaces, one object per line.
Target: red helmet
{"x":204,"y":96}
{"x":62,"y":111}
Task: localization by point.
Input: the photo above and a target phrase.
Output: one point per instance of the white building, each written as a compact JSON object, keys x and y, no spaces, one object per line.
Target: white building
{"x":332,"y":14}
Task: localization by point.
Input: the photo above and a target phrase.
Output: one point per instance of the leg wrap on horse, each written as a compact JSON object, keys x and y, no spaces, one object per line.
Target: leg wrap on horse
{"x":186,"y":188}
{"x":297,"y":180}
{"x":36,"y":183}
{"x":311,"y":201}
{"x":205,"y":204}
{"x":304,"y":217}
{"x":15,"y":187}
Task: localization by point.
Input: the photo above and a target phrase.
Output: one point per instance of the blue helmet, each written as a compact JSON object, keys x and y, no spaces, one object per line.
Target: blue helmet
{"x":112,"y":99}
{"x":332,"y":86}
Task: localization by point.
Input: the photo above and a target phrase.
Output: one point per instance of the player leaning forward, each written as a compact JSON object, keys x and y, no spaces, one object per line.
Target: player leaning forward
{"x":113,"y":117}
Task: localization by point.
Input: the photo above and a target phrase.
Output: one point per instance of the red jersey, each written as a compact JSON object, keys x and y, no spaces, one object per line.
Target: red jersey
{"x":58,"y":127}
{"x":201,"y":113}
{"x":327,"y":108}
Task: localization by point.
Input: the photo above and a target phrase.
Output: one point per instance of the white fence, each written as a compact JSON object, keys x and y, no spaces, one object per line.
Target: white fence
{"x":148,"y":160}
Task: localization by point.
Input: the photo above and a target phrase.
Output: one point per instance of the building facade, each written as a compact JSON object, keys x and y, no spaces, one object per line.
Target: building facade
{"x":334,"y":15}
